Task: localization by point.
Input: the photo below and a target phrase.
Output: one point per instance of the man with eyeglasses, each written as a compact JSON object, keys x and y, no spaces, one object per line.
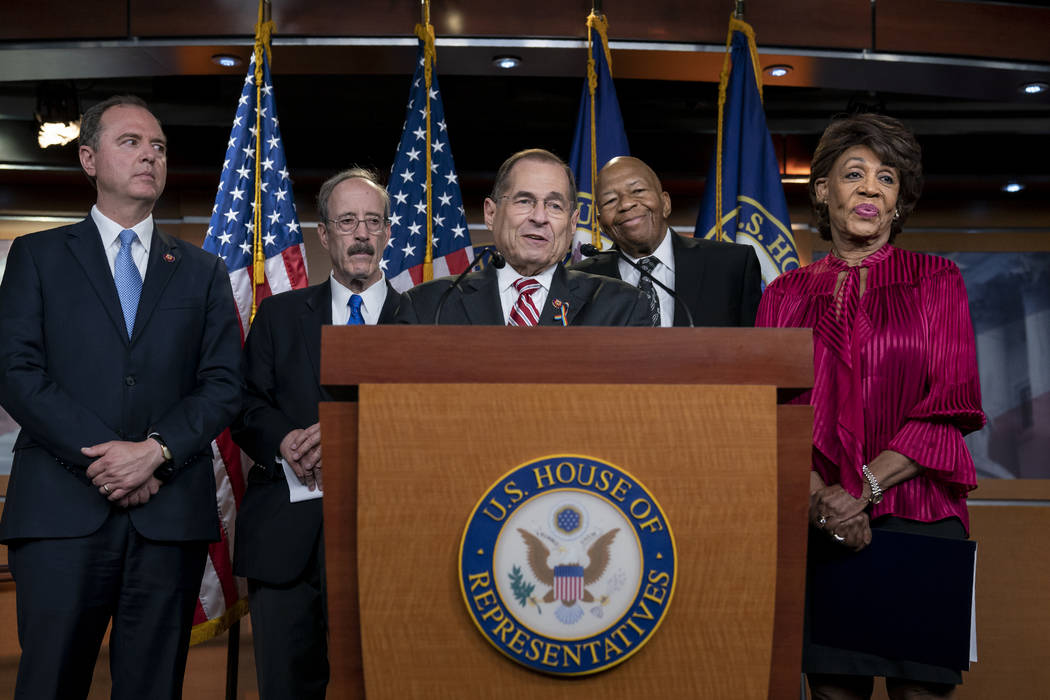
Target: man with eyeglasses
{"x":720,"y":282}
{"x":279,"y":543}
{"x":532,"y":215}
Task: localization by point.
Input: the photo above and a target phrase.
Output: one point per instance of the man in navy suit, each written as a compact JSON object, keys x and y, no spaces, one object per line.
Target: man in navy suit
{"x":720,"y":282}
{"x":119,"y":359}
{"x":532,"y":214}
{"x":280,"y":545}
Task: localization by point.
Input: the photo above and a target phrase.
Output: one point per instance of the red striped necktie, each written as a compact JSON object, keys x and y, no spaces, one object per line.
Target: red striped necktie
{"x":524,"y":312}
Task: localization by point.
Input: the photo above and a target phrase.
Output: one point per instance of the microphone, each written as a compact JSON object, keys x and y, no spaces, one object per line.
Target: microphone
{"x":497,"y":261}
{"x":591,"y":250}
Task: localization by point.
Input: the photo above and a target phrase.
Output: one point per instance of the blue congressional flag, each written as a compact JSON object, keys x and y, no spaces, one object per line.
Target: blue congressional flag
{"x":231,"y":230}
{"x":609,"y":139}
{"x":752,"y":208}
{"x":404,"y":255}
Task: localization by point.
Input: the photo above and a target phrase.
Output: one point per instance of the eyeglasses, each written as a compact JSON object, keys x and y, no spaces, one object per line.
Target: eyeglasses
{"x":348,"y":224}
{"x":524,"y":204}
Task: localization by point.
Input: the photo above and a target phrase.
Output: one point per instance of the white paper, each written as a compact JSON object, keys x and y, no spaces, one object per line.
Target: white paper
{"x":297,"y":491}
{"x":973,"y":612}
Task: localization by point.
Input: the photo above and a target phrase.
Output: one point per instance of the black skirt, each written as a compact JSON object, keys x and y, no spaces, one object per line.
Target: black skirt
{"x":819,"y":658}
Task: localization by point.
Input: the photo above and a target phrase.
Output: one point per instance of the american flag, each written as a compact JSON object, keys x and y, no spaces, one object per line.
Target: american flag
{"x":231,"y":236}
{"x":403,"y":258}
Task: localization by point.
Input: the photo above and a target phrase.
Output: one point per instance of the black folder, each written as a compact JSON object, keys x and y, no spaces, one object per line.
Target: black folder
{"x":905,"y":596}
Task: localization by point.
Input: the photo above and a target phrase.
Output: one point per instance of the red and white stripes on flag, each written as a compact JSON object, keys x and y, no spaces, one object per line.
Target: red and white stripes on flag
{"x":254,"y":147}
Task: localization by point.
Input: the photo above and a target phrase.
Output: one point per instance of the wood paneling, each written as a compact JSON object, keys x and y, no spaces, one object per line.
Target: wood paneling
{"x":419,"y":482}
{"x":794,"y":450}
{"x":461,"y":354}
{"x":339,"y":428}
{"x":989,"y":29}
{"x":1013,"y":603}
{"x":61,"y":19}
{"x":911,"y":26}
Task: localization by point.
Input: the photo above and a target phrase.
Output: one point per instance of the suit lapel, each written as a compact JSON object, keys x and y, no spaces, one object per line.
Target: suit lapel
{"x":481,"y":303}
{"x":317,"y":312}
{"x":688,"y":276}
{"x":563,"y":296}
{"x":393,"y":300}
{"x":164,"y":259}
{"x":86,"y":245}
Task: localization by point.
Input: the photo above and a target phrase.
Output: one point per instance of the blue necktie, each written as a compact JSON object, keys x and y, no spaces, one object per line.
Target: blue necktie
{"x":128,"y":280}
{"x":356,"y":319}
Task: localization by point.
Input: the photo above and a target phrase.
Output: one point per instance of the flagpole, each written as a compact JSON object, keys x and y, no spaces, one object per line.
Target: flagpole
{"x":426,"y":33}
{"x":263,"y":31}
{"x":595,"y":22}
{"x":736,"y":24}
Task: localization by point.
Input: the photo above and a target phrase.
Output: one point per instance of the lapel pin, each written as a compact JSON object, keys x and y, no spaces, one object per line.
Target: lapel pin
{"x":168,"y":257}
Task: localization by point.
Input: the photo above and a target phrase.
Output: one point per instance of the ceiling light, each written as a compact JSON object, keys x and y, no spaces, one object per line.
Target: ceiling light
{"x":779,"y":70}
{"x":57,"y":133}
{"x":1034,"y":88}
{"x":506,"y":62}
{"x":226,"y":60}
{"x":57,"y":113}
{"x":1013,"y":187}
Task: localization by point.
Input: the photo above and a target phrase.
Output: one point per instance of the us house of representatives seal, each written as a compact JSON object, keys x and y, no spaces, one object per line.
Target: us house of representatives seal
{"x":567,"y":565}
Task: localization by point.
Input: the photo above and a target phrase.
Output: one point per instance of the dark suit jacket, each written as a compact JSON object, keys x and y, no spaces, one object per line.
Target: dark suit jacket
{"x":282,"y":387}
{"x":590,"y":301}
{"x":71,"y":378}
{"x":720,"y":282}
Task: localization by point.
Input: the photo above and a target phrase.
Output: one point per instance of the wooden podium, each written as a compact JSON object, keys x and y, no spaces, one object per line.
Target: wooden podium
{"x":429,"y":417}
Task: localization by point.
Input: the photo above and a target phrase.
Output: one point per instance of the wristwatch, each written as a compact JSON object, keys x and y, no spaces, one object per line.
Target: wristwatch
{"x":166,"y":470}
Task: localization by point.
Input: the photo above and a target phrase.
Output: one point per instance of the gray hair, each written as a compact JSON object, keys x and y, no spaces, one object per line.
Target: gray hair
{"x":355,"y":172}
{"x":499,"y":187}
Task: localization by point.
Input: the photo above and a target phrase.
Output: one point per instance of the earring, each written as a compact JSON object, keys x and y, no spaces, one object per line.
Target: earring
{"x":897,"y":214}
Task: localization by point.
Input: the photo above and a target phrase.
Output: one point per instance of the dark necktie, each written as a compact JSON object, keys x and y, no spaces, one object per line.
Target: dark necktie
{"x":645,"y":284}
{"x":127,"y":278}
{"x":356,"y":319}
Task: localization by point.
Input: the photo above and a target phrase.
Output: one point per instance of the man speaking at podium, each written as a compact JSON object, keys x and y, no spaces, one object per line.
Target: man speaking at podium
{"x":720,"y":283}
{"x":280,"y":544}
{"x":532,"y":214}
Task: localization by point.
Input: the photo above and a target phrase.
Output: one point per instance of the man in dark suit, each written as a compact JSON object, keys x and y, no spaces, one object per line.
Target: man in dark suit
{"x":279,"y":544}
{"x":721,"y":283}
{"x":119,"y":354}
{"x":532,"y":215}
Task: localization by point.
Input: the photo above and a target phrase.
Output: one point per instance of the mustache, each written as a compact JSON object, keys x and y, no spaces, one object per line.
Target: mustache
{"x":359,"y":248}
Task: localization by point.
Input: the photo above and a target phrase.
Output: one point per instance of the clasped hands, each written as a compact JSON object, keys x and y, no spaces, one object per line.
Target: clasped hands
{"x":835,"y":511}
{"x":123,"y":471}
{"x":301,"y":448}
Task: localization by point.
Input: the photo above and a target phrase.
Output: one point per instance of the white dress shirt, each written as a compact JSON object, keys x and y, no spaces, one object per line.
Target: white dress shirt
{"x":506,"y":276}
{"x":372,"y":300}
{"x":664,"y":271}
{"x":109,"y":230}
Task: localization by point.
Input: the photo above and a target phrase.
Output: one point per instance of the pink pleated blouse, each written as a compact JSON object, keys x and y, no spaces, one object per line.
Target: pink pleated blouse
{"x":894,"y":369}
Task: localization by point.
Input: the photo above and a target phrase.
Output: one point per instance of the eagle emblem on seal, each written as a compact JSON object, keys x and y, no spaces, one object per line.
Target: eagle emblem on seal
{"x":569,"y":577}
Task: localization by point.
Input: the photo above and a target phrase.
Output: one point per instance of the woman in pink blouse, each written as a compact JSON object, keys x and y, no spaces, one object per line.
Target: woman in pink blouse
{"x":895,"y":378}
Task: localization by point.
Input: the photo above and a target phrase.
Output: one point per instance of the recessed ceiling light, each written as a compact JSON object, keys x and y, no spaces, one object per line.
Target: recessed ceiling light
{"x":506,"y":62}
{"x":1012,"y":187}
{"x":779,"y":70}
{"x":1034,"y":88}
{"x":226,"y":60}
